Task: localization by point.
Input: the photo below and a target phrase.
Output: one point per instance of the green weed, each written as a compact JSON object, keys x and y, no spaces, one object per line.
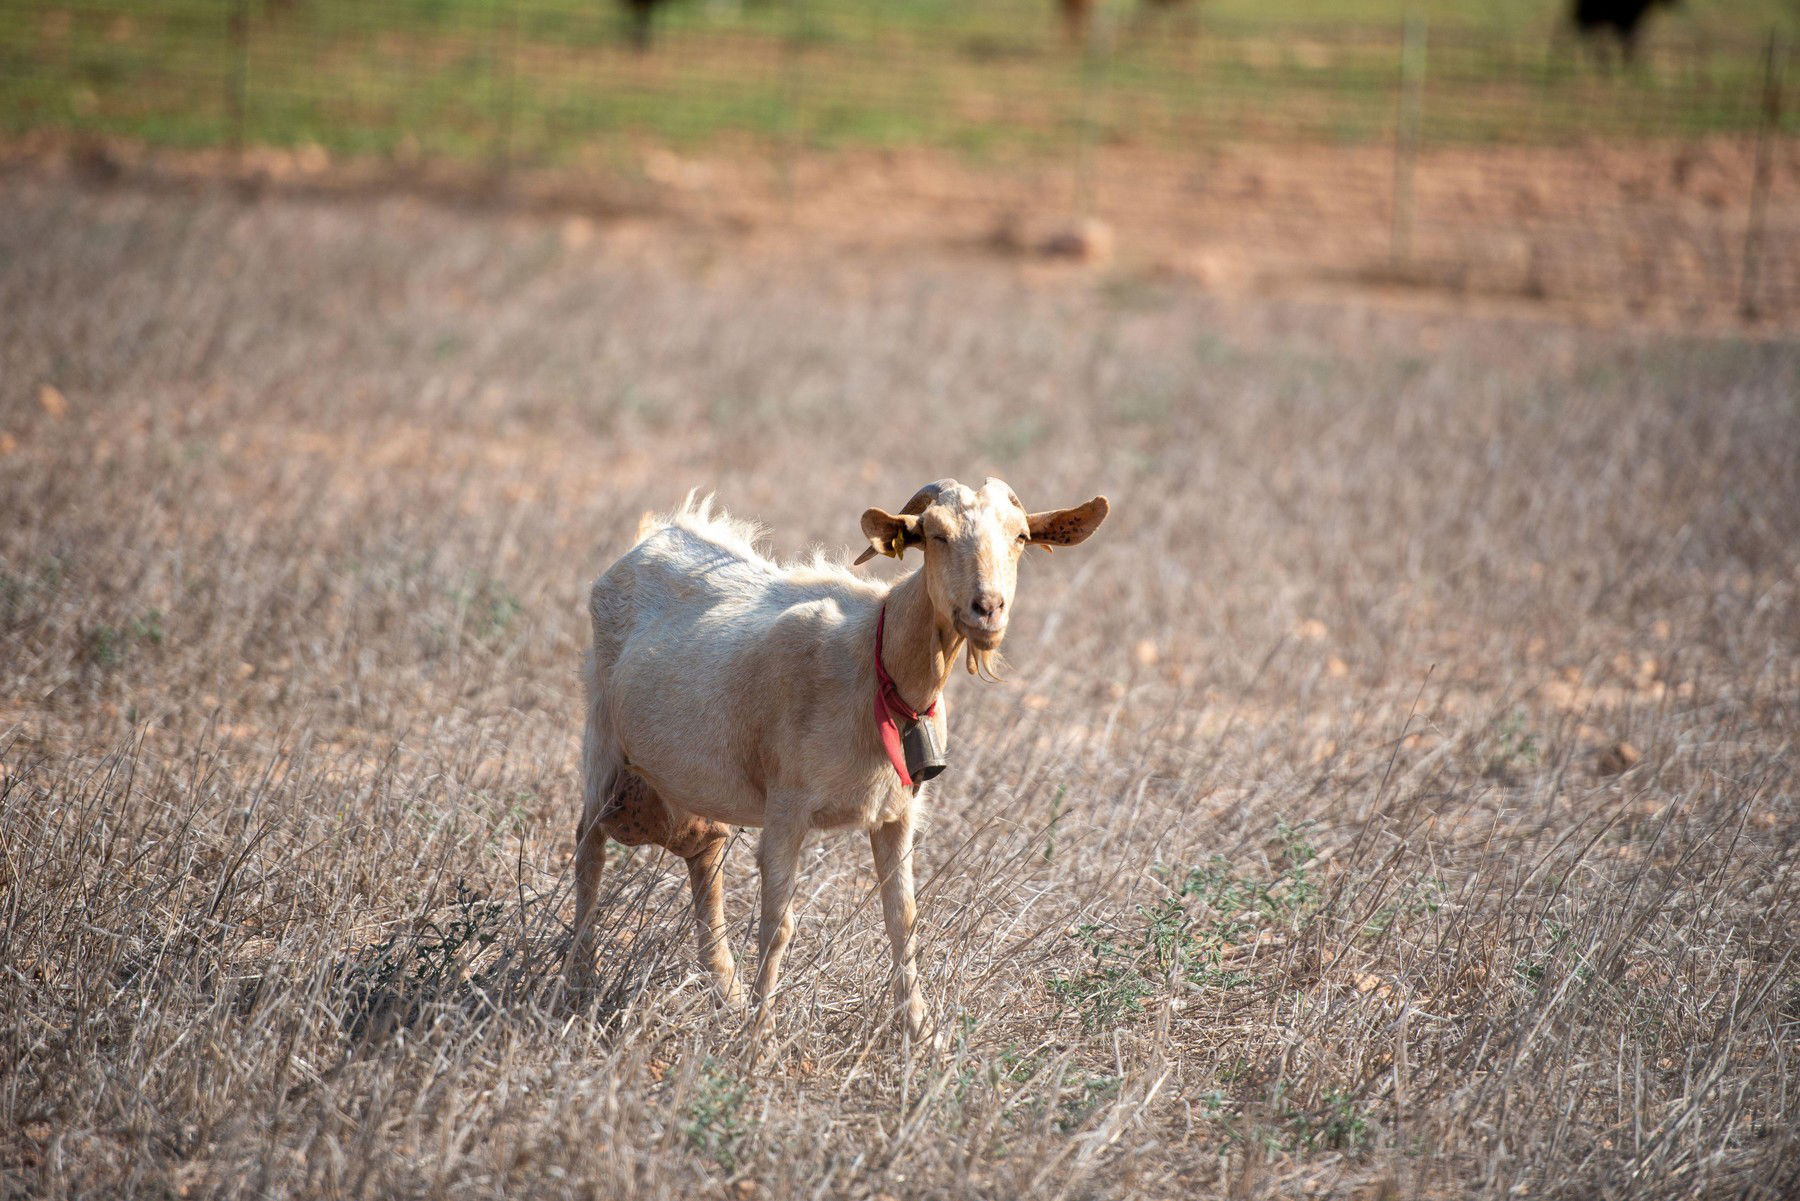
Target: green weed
{"x":714,"y":1122}
{"x":1514,"y":745}
{"x":1187,"y":934}
{"x":489,"y":608}
{"x":107,"y":646}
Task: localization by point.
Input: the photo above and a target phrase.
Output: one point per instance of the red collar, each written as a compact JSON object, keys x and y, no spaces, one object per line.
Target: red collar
{"x":891,"y":708}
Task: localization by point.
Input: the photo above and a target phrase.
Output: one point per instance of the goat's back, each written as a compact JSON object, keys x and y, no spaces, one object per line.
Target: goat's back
{"x":699,"y":568}
{"x":709,"y":660}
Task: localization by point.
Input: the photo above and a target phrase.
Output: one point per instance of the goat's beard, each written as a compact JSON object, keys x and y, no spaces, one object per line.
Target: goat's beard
{"x":984,"y":664}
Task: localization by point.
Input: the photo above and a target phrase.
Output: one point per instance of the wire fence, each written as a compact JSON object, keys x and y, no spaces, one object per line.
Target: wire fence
{"x":1410,"y":155}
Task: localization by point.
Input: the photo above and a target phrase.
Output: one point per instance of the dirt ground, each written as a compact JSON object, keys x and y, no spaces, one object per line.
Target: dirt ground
{"x":1666,"y":233}
{"x":1396,"y":798}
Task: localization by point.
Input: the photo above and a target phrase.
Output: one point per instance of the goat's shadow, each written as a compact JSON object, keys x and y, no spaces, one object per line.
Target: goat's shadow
{"x":474,"y":959}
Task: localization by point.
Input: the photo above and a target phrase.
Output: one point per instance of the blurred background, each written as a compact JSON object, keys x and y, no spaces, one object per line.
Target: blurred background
{"x":1396,"y":799}
{"x":1631,"y":156}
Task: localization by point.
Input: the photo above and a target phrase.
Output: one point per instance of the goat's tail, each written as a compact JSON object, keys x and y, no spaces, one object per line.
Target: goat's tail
{"x":601,"y":763}
{"x":601,"y":756}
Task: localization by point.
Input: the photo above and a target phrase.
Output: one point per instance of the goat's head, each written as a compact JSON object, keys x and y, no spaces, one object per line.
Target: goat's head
{"x":972,"y":539}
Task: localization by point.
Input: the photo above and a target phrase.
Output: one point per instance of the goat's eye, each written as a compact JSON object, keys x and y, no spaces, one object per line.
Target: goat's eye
{"x":938,"y":538}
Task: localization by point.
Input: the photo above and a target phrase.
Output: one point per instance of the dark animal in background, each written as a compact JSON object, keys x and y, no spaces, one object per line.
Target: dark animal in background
{"x":1617,"y":19}
{"x":1075,"y":17}
{"x":638,"y":17}
{"x":1078,"y":15}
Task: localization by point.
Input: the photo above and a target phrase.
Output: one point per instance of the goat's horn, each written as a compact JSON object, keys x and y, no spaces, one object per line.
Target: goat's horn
{"x":923,"y":498}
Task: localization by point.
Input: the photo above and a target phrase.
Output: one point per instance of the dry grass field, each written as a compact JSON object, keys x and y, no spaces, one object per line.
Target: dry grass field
{"x":1396,"y":799}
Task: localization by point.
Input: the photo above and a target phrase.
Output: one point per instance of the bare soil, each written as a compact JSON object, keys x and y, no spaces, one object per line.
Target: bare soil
{"x":1662,"y":232}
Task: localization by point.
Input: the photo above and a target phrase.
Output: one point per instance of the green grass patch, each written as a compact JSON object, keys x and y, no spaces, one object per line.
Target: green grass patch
{"x":538,"y":81}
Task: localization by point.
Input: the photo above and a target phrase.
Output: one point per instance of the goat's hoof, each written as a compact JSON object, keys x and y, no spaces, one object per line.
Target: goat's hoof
{"x":761,"y":1050}
{"x":576,"y":992}
{"x":925,"y":1040}
{"x":762,"y":1033}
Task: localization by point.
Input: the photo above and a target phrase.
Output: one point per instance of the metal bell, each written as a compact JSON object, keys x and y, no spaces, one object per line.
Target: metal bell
{"x":924,"y":753}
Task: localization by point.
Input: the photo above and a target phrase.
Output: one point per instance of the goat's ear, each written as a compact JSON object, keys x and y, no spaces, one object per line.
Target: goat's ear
{"x":888,"y":534}
{"x":1066,"y":527}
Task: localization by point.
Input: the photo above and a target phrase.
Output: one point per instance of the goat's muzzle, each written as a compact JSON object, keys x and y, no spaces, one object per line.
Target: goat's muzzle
{"x":984,"y":622}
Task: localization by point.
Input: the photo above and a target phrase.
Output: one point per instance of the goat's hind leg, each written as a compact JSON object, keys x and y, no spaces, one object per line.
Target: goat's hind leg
{"x":630,"y":813}
{"x":702,"y":845}
{"x":603,"y":774}
{"x":635,"y":815}
{"x":590,"y":861}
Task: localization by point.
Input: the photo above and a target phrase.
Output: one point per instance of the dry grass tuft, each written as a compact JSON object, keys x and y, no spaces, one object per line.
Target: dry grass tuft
{"x":1299,"y":855}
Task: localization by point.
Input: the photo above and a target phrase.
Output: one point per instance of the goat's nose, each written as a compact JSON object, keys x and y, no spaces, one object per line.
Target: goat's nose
{"x":988,"y":607}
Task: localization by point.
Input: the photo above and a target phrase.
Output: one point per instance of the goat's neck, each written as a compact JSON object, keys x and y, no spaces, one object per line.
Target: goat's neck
{"x":918,"y":650}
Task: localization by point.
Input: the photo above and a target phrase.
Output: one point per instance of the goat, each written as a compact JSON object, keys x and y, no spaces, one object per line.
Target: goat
{"x":724,"y":690}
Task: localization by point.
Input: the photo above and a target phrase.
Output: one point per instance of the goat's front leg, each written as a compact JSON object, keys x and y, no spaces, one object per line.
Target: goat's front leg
{"x":778,"y":860}
{"x":893,"y":844}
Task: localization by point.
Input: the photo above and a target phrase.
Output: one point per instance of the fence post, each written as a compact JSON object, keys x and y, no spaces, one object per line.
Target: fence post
{"x":1759,"y":180}
{"x":1406,"y":132}
{"x":506,"y":43}
{"x":237,"y":81}
{"x":1096,"y":78}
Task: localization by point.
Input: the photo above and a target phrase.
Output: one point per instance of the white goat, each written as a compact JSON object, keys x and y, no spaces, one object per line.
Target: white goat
{"x":726,"y":690}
